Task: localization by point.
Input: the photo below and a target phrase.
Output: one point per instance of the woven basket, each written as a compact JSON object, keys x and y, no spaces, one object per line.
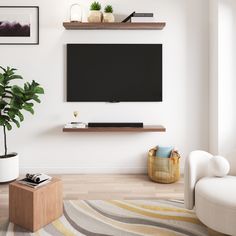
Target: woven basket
{"x":163,"y":170}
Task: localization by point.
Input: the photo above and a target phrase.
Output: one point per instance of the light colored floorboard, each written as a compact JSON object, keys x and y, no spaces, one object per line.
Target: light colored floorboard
{"x":103,"y":187}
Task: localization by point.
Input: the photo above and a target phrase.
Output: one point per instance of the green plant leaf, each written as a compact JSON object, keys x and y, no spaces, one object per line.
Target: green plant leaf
{"x":17,"y":90}
{"x":2,"y":121}
{"x":1,"y":78}
{"x":2,"y":90}
{"x":4,"y":117}
{"x":16,"y":122}
{"x":11,"y":114}
{"x":95,"y":6}
{"x":16,"y":103}
{"x":39,"y":90}
{"x":29,"y":104}
{"x":2,"y":104}
{"x":34,"y":84}
{"x":3,"y":69}
{"x":26,"y":86}
{"x":28,"y":108}
{"x":12,"y":77}
{"x":21,"y":117}
{"x":8,"y":125}
{"x":36,"y":98}
{"x":108,"y":9}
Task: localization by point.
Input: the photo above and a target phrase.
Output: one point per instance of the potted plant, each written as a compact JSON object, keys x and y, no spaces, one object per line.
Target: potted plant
{"x":95,"y":14}
{"x":13,"y":100}
{"x":108,"y":14}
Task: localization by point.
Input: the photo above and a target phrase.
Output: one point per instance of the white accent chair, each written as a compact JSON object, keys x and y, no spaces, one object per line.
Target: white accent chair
{"x":214,"y":198}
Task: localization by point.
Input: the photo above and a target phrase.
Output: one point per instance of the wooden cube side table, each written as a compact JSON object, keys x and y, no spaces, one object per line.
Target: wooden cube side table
{"x":34,"y":208}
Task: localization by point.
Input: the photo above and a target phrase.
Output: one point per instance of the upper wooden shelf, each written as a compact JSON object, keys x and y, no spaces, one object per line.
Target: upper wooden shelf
{"x":114,"y":26}
{"x":146,"y":128}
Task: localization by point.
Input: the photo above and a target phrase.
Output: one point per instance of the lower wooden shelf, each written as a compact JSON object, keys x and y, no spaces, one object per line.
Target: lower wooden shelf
{"x":146,"y":128}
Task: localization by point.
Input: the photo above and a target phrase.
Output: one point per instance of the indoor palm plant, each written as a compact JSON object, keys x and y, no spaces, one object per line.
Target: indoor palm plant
{"x":13,"y":100}
{"x":108,"y":14}
{"x":95,"y":14}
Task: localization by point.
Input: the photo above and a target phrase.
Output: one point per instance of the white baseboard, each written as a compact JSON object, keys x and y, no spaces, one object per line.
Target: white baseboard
{"x":87,"y":170}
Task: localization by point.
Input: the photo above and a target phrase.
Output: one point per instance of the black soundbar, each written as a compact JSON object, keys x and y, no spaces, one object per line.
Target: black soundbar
{"x":115,"y":124}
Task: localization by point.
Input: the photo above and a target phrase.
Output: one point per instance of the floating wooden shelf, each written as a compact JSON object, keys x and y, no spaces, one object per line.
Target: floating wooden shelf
{"x":147,"y":128}
{"x":114,"y":26}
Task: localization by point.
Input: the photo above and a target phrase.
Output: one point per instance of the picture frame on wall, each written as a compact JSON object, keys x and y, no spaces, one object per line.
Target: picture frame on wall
{"x":19,"y":25}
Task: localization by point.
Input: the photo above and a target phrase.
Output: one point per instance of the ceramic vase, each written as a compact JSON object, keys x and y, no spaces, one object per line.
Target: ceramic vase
{"x":95,"y":17}
{"x":108,"y":17}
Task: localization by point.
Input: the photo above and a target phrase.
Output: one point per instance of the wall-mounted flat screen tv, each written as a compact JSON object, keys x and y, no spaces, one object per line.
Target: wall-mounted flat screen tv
{"x":114,"y":72}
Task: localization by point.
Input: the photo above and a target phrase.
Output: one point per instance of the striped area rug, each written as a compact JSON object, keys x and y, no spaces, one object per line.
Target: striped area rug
{"x":121,"y":218}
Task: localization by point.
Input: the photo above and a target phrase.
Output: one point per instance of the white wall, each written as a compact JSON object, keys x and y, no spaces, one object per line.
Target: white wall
{"x":222,"y":76}
{"x":227,"y":71}
{"x":213,"y":78}
{"x":184,"y":111}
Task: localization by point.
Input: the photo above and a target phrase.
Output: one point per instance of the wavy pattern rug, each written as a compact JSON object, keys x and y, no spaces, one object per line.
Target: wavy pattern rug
{"x":119,"y":218}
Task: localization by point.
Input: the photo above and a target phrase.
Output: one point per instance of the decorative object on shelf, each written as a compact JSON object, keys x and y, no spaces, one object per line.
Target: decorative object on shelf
{"x":75,"y":13}
{"x":127,"y":19}
{"x":75,"y":113}
{"x":142,"y":17}
{"x":139,"y":18}
{"x":76,"y":123}
{"x":95,"y":15}
{"x":162,"y":169}
{"x":19,"y":25}
{"x":14,"y":99}
{"x":108,"y":14}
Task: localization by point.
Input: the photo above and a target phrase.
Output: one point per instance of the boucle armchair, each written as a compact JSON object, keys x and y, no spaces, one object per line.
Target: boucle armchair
{"x":214,"y":198}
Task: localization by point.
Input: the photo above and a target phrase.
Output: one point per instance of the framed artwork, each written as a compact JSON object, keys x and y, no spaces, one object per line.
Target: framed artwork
{"x":19,"y":25}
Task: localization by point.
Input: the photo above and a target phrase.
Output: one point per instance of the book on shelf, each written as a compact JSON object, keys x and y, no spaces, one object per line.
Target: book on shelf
{"x":35,"y":180}
{"x":141,"y":19}
{"x":75,"y":125}
{"x":138,"y":15}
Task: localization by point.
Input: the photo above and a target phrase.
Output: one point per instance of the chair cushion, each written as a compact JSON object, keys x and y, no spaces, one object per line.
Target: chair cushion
{"x":231,"y":157}
{"x":215,"y":201}
{"x":218,"y":166}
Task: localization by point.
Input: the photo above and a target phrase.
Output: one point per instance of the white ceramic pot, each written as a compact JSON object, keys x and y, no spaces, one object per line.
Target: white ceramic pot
{"x":108,"y":17}
{"x":95,"y":16}
{"x":9,"y":168}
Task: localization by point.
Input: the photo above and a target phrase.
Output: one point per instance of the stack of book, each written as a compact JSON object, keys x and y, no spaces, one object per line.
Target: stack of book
{"x":136,"y":17}
{"x":35,"y":180}
{"x":142,"y":17}
{"x":76,"y":125}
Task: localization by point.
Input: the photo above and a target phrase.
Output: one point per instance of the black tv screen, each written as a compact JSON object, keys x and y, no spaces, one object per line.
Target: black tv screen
{"x":114,"y":72}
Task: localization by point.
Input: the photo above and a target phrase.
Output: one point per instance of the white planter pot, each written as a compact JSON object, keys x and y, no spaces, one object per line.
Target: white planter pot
{"x":95,"y":16}
{"x":108,"y":17}
{"x":9,"y":168}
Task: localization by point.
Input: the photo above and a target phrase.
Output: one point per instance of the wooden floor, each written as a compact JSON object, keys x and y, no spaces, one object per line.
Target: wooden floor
{"x":106,"y":187}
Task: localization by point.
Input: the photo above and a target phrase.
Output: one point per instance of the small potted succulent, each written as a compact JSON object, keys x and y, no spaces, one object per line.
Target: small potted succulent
{"x":108,"y":14}
{"x":95,"y":15}
{"x":13,"y":100}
